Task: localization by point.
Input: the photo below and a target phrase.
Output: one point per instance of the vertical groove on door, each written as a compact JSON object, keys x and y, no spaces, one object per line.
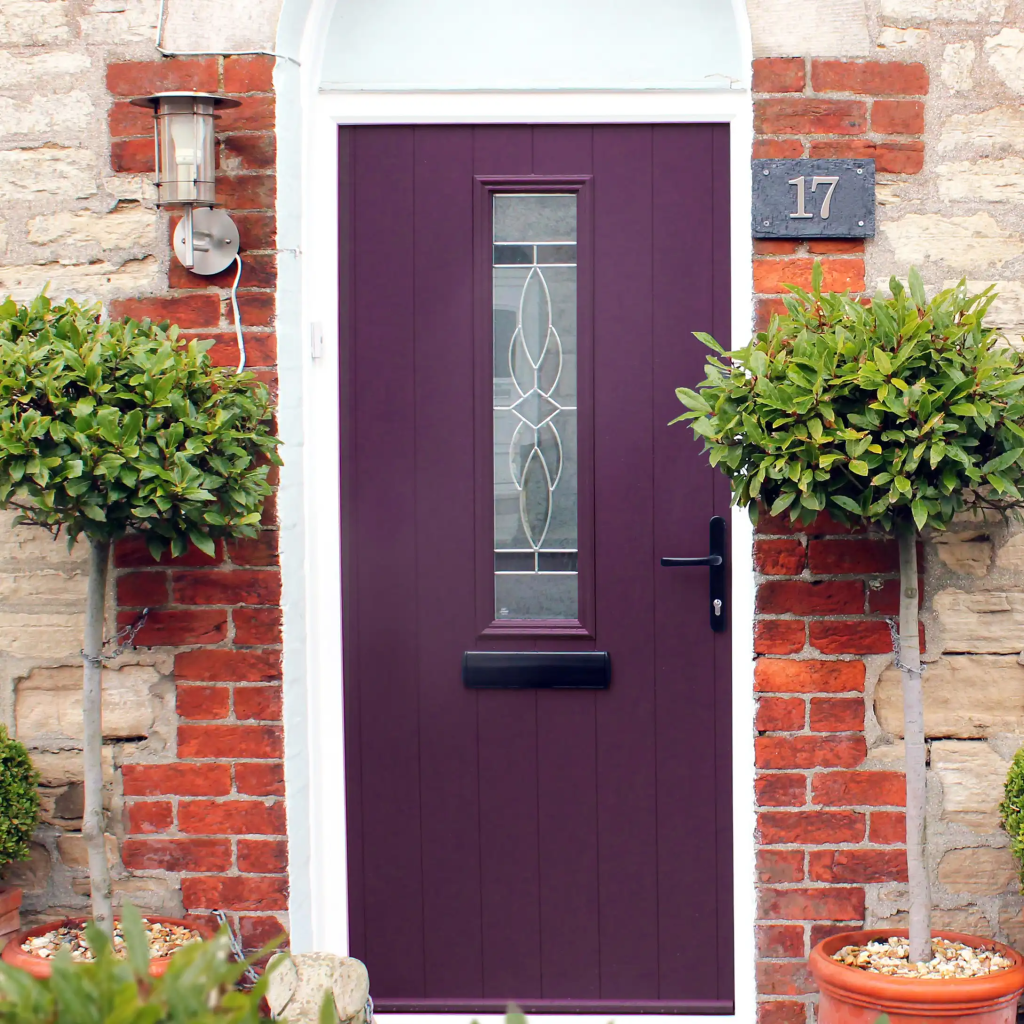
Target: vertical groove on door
{"x":685,"y":670}
{"x":508,"y":720}
{"x":625,"y":553}
{"x":445,"y":562}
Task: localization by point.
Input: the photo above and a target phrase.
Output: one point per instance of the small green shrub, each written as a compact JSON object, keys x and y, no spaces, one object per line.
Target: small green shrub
{"x":19,"y":799}
{"x":198,"y":987}
{"x":1011,"y":810}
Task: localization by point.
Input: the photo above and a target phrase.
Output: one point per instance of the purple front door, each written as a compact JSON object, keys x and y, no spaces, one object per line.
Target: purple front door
{"x":518,"y":303}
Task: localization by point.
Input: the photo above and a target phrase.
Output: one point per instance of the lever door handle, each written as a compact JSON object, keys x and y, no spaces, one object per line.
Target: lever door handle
{"x":716,"y":562}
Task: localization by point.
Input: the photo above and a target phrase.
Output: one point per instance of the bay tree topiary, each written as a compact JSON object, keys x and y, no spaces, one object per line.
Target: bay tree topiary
{"x":19,"y":800}
{"x":899,"y":414}
{"x":109,"y":427}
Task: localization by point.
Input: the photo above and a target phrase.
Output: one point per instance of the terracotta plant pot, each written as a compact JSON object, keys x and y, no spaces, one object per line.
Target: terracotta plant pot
{"x":39,"y":967}
{"x":10,"y":912}
{"x":852,"y":996}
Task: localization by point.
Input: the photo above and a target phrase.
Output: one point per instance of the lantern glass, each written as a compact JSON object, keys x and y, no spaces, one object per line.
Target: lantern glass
{"x":185,"y":151}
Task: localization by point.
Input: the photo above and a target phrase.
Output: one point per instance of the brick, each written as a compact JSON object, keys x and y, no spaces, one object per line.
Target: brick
{"x":765,"y":310}
{"x":256,"y":114}
{"x":259,"y":550}
{"x":176,"y":854}
{"x":262,"y":856}
{"x":818,"y":597}
{"x":776,"y":246}
{"x":269,"y":517}
{"x":885,"y":600}
{"x":835,"y":246}
{"x":132,"y":156}
{"x":230,"y":741}
{"x":777,"y":866}
{"x":857,"y":866}
{"x":778,"y":149}
{"x":150,"y":816}
{"x":780,"y":940}
{"x":771,"y":276}
{"x":247,"y":152}
{"x":247,"y":192}
{"x":890,"y":157}
{"x":140,"y":78}
{"x":779,"y":636}
{"x":787,"y":827}
{"x":142,"y":589}
{"x":857,"y":555}
{"x":781,"y":790}
{"x":231,"y":817}
{"x":832,"y":904}
{"x":808,"y":116}
{"x":786,"y":676}
{"x":781,"y":1011}
{"x":261,"y":931}
{"x":779,"y":74}
{"x":260,"y":892}
{"x":262,"y":703}
{"x":256,"y":230}
{"x":869,"y":78}
{"x":260,"y":779}
{"x":248,"y":74}
{"x":257,"y":625}
{"x":260,"y":348}
{"x":203,"y":702}
{"x":176,"y":627}
{"x":820,"y":932}
{"x":126,"y":120}
{"x":822,"y":751}
{"x":791,"y":978}
{"x":780,"y":714}
{"x":851,"y":636}
{"x":221,"y":666}
{"x":176,"y":779}
{"x":823,"y":524}
{"x":233,"y":586}
{"x":257,"y":309}
{"x":779,"y":557}
{"x":131,"y":552}
{"x":200,"y":310}
{"x":897,"y":117}
{"x":888,"y":828}
{"x":837,"y":714}
{"x":258,"y":271}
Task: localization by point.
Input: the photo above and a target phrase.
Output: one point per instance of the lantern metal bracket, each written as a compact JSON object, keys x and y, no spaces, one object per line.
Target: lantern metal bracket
{"x":205,"y":240}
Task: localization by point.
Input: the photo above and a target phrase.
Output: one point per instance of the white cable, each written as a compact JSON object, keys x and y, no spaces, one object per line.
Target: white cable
{"x":238,"y":316}
{"x":208,"y":53}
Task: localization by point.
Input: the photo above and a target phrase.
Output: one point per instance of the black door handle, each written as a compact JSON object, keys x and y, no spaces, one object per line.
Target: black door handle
{"x":716,"y":577}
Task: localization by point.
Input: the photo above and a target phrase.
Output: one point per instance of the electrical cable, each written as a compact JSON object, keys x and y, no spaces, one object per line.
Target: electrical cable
{"x":238,"y":317}
{"x":208,"y":53}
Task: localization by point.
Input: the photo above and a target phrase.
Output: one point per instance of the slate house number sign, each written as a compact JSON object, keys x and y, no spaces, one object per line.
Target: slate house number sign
{"x":814,"y":199}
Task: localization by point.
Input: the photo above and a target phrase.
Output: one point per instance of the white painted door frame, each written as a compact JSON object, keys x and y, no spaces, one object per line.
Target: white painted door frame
{"x":309,"y":499}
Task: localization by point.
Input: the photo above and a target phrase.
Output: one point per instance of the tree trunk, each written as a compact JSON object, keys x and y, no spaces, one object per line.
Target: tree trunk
{"x":92,"y":720}
{"x":913,"y":732}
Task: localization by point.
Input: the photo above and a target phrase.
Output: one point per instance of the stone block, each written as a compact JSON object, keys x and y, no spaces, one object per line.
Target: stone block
{"x":41,"y":634}
{"x":964,"y":698}
{"x":983,"y":181}
{"x":892,"y":38}
{"x":1011,"y":923}
{"x":967,"y":920}
{"x":987,"y":622}
{"x":55,"y":170}
{"x":24,"y":72}
{"x":972,"y":776}
{"x":972,"y":243}
{"x":996,"y":130}
{"x":30,"y":875}
{"x":214,"y":25}
{"x":64,"y":767}
{"x":74,"y":854}
{"x":48,"y":702}
{"x":81,"y":281}
{"x":903,"y":12}
{"x":1011,"y":555}
{"x":979,"y":870}
{"x":128,"y":226}
{"x":35,"y":23}
{"x":50,"y":114}
{"x":968,"y":552}
{"x":120,"y":21}
{"x":1005,"y":52}
{"x":957,"y":64}
{"x":1007,"y":314}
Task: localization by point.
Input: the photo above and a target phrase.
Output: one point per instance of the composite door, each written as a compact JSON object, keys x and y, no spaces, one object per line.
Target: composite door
{"x":538,"y":828}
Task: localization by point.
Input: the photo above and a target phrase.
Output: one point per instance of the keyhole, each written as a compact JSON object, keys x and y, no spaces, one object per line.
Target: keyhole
{"x":718,"y":606}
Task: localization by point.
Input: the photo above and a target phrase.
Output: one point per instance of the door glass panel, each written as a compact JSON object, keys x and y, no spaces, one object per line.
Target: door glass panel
{"x":535,"y":478}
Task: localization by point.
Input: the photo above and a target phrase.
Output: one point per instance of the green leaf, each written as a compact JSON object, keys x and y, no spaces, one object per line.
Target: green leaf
{"x":1001,"y":462}
{"x":919,"y":512}
{"x":782,"y":502}
{"x":859,"y":467}
{"x":204,"y":542}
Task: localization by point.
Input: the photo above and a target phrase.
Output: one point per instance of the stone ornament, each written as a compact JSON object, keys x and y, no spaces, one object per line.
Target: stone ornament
{"x":299,"y":982}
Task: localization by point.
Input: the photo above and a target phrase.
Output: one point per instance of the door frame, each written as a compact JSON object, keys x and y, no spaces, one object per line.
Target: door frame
{"x":310,"y":505}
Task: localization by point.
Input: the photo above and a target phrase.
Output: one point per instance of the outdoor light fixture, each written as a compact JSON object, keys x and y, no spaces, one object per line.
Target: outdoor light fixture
{"x":205,"y":240}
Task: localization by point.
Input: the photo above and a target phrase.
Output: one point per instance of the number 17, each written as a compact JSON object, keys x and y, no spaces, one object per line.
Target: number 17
{"x":826,"y":207}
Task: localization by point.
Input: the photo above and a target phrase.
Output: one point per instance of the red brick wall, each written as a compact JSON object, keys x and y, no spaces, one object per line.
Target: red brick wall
{"x":826,"y":828}
{"x":213,"y":814}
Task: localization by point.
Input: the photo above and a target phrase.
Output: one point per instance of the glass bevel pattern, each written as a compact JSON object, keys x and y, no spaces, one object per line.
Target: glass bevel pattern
{"x":535,"y":458}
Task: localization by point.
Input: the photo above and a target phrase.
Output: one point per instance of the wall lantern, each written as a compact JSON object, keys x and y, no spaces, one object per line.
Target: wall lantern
{"x":205,"y":240}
